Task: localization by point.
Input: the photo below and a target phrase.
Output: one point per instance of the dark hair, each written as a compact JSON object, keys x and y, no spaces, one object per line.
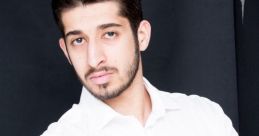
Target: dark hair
{"x":131,"y":9}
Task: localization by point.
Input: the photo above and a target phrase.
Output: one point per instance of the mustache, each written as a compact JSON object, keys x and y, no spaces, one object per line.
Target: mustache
{"x":107,"y":68}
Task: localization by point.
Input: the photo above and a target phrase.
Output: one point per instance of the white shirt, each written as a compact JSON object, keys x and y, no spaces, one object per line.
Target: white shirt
{"x":173,"y":114}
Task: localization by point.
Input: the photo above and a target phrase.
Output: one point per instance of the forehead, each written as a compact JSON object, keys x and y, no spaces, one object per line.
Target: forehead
{"x":92,"y":15}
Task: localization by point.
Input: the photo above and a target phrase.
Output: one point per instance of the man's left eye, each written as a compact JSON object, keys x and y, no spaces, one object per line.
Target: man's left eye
{"x":110,"y":35}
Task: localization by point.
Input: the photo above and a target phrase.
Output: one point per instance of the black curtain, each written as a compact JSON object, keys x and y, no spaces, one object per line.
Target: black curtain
{"x":247,"y":41}
{"x":197,"y":47}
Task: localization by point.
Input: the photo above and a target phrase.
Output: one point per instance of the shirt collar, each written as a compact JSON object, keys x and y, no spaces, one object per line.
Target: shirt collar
{"x":98,"y":113}
{"x":101,"y":114}
{"x":161,"y":102}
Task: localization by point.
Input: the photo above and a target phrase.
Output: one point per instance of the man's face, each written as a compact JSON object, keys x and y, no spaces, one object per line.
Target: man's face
{"x":101,"y":47}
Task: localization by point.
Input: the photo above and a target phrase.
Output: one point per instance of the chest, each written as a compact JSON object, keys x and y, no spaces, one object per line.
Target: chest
{"x":171,"y":125}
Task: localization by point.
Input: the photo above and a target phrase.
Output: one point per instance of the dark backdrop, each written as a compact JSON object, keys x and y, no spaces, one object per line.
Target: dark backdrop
{"x":197,"y":47}
{"x":247,"y":41}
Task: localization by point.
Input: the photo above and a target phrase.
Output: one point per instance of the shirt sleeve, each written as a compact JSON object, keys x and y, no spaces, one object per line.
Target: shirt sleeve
{"x":67,"y":125}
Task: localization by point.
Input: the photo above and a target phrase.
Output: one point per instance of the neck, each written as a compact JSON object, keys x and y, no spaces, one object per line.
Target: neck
{"x":135,"y":101}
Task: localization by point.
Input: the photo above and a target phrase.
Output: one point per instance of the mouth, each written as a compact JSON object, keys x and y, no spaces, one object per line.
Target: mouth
{"x":101,"y":77}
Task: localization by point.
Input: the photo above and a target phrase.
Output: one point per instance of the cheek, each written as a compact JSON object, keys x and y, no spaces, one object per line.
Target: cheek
{"x":121,"y":55}
{"x":79,"y":61}
{"x":121,"y":47}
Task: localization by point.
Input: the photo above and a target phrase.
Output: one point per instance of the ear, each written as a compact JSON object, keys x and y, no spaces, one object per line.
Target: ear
{"x":62,"y":45}
{"x":144,"y":34}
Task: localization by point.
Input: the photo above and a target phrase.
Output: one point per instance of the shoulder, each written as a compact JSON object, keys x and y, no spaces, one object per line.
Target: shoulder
{"x":201,"y":110}
{"x":190,"y":102}
{"x":70,"y":123}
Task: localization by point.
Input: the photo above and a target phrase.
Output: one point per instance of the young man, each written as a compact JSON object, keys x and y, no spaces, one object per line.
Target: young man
{"x":102,"y":40}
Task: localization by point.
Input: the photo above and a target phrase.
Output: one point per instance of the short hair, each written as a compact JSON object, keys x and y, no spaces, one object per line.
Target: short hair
{"x":130,"y":9}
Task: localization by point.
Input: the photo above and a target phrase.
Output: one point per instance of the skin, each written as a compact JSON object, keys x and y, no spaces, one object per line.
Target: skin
{"x":100,"y":45}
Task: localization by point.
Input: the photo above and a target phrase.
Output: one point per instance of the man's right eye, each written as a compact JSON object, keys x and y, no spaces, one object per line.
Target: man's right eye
{"x":78,"y":41}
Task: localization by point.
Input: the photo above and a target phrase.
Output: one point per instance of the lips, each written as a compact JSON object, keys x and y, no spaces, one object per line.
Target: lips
{"x":100,"y":77}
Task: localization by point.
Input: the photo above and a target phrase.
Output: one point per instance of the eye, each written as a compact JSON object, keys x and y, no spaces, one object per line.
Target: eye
{"x":78,"y":41}
{"x":110,"y":35}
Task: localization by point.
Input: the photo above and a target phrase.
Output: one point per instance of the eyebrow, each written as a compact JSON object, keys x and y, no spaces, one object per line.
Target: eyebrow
{"x":75,"y":32}
{"x":101,"y":27}
{"x":104,"y":26}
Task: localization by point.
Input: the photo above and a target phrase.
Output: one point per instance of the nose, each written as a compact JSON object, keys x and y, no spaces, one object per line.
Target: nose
{"x":95,"y":54}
